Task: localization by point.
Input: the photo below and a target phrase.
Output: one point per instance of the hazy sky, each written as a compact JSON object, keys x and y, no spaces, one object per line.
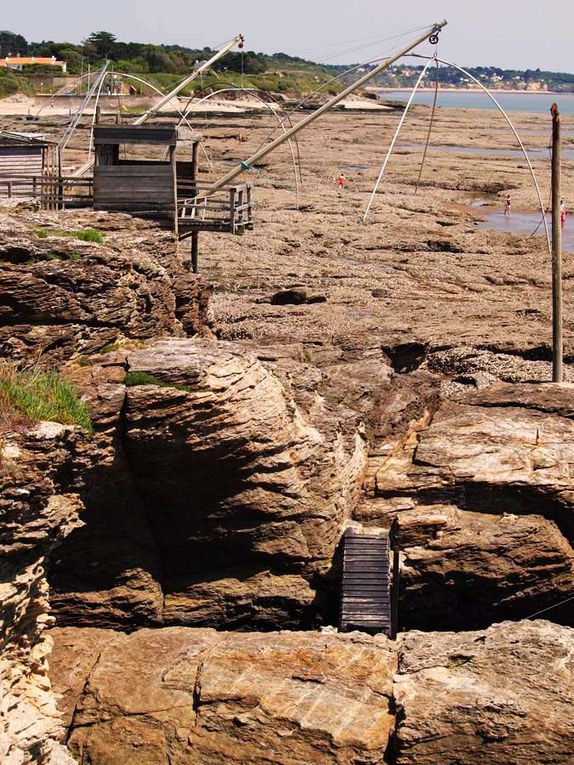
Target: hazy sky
{"x":505,"y":33}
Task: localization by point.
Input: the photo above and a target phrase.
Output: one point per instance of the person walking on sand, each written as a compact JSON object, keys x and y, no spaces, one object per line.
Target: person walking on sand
{"x":341,"y":183}
{"x":562,"y":212}
{"x":507,"y":205}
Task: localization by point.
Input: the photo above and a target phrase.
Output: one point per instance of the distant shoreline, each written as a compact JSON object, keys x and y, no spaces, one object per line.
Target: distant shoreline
{"x":494,"y":91}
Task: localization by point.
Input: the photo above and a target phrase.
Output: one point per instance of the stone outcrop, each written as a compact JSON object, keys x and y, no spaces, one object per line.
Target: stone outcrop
{"x":200,"y":697}
{"x":179,"y":695}
{"x":224,"y":500}
{"x":464,"y":568}
{"x":502,"y":696}
{"x":38,"y":507}
{"x":483,"y":500}
{"x":61,"y":297}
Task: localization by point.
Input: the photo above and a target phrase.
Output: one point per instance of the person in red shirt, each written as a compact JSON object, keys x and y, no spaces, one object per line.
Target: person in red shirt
{"x":341,"y":183}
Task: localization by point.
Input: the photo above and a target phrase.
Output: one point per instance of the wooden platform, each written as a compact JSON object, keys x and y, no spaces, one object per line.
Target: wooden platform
{"x":366,"y":587}
{"x":228,"y":210}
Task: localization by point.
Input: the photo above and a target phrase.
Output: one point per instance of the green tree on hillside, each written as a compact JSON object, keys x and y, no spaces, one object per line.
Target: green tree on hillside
{"x":12,"y":44}
{"x":100,"y":45}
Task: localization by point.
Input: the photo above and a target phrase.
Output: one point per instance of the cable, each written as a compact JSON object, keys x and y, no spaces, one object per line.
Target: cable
{"x":396,"y":135}
{"x":510,"y":125}
{"x":430,"y":127}
{"x":544,"y":610}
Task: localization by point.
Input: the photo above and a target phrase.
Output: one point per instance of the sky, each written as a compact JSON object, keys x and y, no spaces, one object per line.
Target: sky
{"x":505,"y":33}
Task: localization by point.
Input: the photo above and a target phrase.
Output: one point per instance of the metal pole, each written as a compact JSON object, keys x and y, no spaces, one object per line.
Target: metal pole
{"x":263,"y":152}
{"x":557,"y":340}
{"x":237,"y":40}
{"x":396,"y":135}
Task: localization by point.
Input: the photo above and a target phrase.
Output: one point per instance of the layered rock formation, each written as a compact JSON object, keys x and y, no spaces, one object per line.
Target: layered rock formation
{"x":38,"y":507}
{"x":483,"y":499}
{"x":502,"y":697}
{"x":221,"y":484}
{"x":62,"y":297}
{"x":178,"y":696}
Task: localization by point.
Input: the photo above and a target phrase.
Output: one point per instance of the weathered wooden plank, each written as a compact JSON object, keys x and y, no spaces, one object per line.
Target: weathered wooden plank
{"x":365,"y":601}
{"x":118,"y":134}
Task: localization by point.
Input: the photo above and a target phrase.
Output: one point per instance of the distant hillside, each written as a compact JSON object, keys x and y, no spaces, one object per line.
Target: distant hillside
{"x":164,"y":65}
{"x":490,"y":76}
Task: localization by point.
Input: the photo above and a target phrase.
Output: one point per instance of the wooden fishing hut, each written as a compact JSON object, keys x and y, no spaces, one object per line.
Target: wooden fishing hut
{"x":25,"y":160}
{"x":164,"y":186}
{"x":125,"y":180}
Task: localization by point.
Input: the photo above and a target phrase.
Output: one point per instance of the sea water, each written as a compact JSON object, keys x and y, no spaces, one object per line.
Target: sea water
{"x":537,"y":103}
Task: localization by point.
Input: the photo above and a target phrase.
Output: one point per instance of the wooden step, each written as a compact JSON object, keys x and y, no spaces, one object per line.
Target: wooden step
{"x":365,"y":592}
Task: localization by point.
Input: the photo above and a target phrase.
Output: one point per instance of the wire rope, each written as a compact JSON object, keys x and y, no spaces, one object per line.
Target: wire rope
{"x":435,"y":97}
{"x":510,"y":124}
{"x":395,"y":136}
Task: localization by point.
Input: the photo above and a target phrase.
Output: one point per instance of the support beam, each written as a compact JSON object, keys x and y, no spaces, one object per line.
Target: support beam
{"x":557,"y":339}
{"x":237,"y":40}
{"x":195,"y":252}
{"x":265,"y":150}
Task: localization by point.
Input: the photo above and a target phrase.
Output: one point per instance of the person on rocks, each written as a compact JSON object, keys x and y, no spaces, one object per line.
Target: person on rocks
{"x":341,"y":183}
{"x":562,"y":212}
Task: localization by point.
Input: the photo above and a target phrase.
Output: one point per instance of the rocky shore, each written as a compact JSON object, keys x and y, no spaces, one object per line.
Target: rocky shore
{"x":171,"y":579}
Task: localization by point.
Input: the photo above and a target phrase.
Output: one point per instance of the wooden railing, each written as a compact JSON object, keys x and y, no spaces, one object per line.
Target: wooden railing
{"x":229,"y":209}
{"x":54,"y":192}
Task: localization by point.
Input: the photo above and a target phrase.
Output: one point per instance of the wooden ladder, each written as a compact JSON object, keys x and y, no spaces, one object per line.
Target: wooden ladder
{"x":366,"y":588}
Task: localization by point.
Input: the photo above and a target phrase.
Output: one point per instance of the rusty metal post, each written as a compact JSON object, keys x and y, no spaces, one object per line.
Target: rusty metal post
{"x":557,"y":339}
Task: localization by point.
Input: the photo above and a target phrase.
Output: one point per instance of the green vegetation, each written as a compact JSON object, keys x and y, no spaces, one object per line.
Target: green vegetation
{"x":143,"y":378}
{"x":164,"y":65}
{"x":42,"y":396}
{"x":85,"y":235}
{"x":405,"y":76}
{"x":89,"y":235}
{"x":110,"y":348}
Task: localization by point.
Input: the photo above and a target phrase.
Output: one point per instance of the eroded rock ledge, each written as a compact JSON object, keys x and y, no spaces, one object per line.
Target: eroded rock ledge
{"x":179,"y":695}
{"x":230,"y":496}
{"x":38,"y":507}
{"x":61,"y":297}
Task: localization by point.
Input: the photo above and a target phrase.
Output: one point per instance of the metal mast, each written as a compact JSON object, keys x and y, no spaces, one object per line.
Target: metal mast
{"x":263,"y":152}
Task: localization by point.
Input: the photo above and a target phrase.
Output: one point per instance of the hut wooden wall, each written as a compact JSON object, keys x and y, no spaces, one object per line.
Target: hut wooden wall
{"x":20,"y":161}
{"x":145,"y":189}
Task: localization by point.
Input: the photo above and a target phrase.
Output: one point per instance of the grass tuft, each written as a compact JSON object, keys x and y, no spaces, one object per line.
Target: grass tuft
{"x":110,"y":348}
{"x":85,"y":235}
{"x":143,"y":378}
{"x":42,"y":396}
{"x":89,"y":235}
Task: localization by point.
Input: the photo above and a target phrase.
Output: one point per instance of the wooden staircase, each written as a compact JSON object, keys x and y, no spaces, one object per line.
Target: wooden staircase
{"x":366,"y":589}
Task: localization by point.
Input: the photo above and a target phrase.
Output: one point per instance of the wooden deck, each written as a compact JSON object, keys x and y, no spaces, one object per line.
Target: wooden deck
{"x":366,"y":588}
{"x":228,"y":210}
{"x":146,"y":192}
{"x":54,"y":192}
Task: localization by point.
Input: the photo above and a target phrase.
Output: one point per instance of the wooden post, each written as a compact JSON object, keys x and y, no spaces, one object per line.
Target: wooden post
{"x":194,"y":165}
{"x":232,"y":191}
{"x":195,"y":252}
{"x":98,"y":115}
{"x":557,"y":340}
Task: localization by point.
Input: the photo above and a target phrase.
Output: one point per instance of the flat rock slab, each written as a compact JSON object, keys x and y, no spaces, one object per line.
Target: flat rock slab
{"x":179,"y":695}
{"x":499,"y":697}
